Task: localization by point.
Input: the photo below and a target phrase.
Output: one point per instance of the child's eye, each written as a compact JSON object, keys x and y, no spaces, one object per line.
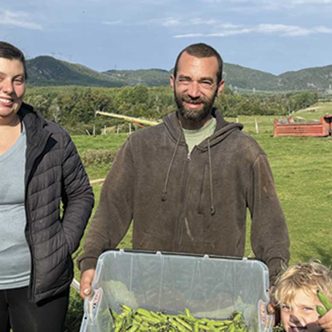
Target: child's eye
{"x":308,"y":309}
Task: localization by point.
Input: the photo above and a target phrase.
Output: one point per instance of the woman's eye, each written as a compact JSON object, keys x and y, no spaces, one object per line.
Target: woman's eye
{"x":19,"y":80}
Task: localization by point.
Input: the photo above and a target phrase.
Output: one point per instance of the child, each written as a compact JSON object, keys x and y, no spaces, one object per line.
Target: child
{"x":295,"y":293}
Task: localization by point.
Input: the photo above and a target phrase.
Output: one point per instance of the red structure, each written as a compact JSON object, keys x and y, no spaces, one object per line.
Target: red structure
{"x":288,"y":127}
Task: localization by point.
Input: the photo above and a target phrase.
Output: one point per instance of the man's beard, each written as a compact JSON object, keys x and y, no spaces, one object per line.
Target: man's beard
{"x":196,"y":115}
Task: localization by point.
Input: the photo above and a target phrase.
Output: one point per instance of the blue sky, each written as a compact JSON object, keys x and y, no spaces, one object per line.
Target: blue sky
{"x":269,"y":35}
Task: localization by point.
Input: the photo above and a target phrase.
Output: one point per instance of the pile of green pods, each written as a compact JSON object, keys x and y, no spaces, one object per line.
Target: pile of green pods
{"x":142,"y":320}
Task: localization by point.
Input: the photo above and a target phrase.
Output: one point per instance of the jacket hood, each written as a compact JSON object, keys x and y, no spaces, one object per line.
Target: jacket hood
{"x":223,"y":129}
{"x":31,"y":119}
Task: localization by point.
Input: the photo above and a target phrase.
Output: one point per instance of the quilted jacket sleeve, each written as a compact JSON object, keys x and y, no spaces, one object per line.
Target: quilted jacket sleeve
{"x":77,"y":196}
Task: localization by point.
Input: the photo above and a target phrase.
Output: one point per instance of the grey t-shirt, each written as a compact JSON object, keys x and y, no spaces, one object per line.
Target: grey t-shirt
{"x":194,"y":137}
{"x":15,"y":259}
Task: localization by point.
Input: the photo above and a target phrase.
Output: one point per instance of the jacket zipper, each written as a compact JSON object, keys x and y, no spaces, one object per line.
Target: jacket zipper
{"x":182,"y":216}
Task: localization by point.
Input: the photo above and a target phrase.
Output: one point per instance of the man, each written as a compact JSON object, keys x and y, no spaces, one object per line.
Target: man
{"x":187,"y":183}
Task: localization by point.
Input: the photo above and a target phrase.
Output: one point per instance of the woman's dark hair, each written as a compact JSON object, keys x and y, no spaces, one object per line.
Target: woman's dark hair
{"x":9,"y":51}
{"x":201,"y":50}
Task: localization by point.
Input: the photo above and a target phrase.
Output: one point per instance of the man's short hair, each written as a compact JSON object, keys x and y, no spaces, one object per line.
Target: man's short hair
{"x":201,"y":50}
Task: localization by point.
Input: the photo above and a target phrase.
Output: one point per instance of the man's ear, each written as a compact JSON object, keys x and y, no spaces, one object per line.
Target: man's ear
{"x":172,"y":81}
{"x":221,"y":86}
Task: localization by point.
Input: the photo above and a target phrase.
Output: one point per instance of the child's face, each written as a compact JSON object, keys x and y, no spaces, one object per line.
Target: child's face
{"x":295,"y":318}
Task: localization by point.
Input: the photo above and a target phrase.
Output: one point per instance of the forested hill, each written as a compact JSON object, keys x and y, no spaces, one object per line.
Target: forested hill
{"x":46,"y":70}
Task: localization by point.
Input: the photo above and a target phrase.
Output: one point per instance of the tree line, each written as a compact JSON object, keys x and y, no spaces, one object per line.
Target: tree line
{"x":74,"y":107}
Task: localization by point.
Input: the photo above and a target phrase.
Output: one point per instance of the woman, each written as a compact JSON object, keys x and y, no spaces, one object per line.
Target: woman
{"x":45,"y":203}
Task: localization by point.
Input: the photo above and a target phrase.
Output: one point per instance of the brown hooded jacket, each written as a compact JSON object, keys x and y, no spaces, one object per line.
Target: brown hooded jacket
{"x":194,"y":204}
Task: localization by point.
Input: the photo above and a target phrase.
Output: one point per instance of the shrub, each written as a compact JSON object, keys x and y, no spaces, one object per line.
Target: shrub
{"x":97,"y":157}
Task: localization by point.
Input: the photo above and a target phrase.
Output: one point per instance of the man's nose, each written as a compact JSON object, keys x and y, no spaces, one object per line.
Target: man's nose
{"x":194,"y":89}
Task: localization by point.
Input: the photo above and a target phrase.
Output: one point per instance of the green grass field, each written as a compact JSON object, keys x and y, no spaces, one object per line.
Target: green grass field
{"x":301,"y":169}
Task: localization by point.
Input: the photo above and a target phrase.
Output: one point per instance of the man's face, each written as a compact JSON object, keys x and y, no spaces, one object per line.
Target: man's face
{"x":195,"y":87}
{"x":302,"y":314}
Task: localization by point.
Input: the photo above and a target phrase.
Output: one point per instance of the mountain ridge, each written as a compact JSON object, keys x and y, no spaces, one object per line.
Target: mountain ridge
{"x":46,"y":70}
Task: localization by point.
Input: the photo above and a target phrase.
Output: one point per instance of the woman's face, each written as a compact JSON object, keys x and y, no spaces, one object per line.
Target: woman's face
{"x":12,"y":86}
{"x":296,"y":317}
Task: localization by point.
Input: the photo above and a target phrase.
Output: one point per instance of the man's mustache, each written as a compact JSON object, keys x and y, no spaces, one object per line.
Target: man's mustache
{"x":193,"y":100}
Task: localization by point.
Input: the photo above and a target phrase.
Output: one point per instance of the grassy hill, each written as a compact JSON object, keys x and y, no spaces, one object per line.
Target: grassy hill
{"x":245,"y":78}
{"x":311,"y":78}
{"x":46,"y":71}
{"x":150,"y":77}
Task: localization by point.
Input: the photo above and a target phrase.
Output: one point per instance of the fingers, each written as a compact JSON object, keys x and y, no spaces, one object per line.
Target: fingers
{"x":326,"y":321}
{"x":85,"y":283}
{"x":270,"y":309}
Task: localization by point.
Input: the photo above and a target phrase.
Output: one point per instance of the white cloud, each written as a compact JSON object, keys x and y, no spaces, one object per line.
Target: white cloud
{"x":267,"y":5}
{"x":290,"y":30}
{"x":282,"y":29}
{"x":18,"y":19}
{"x":311,"y":2}
{"x":170,"y":22}
{"x":117,"y":22}
{"x":276,"y":29}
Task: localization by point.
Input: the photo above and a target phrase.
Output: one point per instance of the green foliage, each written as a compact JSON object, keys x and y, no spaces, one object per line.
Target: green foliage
{"x":97,"y":157}
{"x":75,"y":313}
{"x":302,"y":100}
{"x":75,"y":107}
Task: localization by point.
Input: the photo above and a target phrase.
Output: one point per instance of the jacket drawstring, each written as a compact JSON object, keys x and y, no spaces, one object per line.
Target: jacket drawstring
{"x":212,"y":209}
{"x":164,"y":193}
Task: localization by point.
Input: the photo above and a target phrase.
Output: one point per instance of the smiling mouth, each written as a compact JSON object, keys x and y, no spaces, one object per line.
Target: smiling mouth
{"x":6,"y":101}
{"x":193,"y":103}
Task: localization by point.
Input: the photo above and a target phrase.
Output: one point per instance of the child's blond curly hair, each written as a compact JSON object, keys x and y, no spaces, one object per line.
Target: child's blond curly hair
{"x":308,"y":277}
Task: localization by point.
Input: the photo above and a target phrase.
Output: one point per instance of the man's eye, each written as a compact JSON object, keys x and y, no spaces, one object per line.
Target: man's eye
{"x":206,"y":84}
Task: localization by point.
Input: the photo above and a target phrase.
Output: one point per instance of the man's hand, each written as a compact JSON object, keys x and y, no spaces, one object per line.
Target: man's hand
{"x":326,"y":321}
{"x":86,"y":281}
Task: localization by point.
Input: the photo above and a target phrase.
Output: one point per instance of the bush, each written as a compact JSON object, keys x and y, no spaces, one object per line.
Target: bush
{"x":75,"y":313}
{"x":97,"y":157}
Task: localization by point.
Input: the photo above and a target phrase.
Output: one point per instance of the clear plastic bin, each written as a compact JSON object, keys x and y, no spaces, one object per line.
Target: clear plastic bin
{"x":211,"y":287}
